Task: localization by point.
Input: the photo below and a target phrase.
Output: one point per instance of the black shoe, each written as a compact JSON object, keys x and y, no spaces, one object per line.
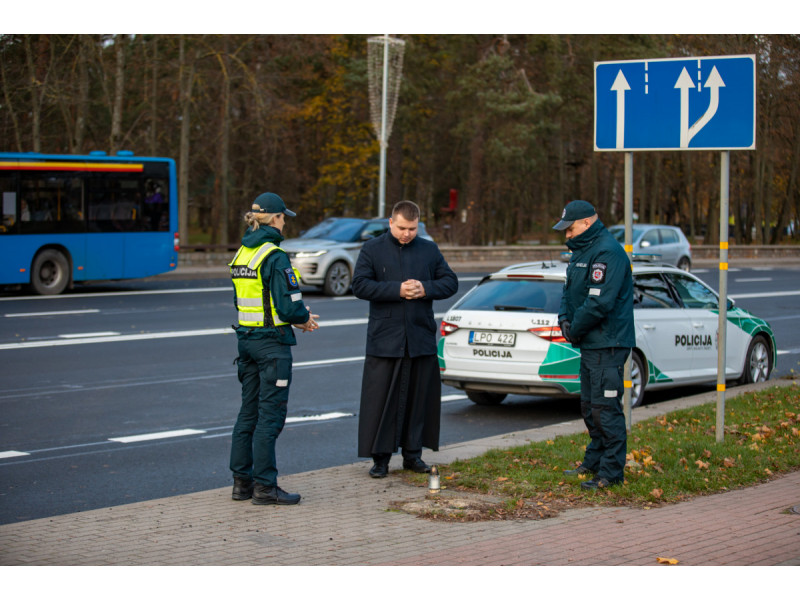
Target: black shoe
{"x":379,"y":470}
{"x":263,"y":494}
{"x":417,"y":465}
{"x":242,"y":488}
{"x":598,"y":483}
{"x":581,"y":470}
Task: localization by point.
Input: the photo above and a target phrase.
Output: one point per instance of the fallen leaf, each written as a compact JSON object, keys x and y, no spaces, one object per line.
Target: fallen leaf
{"x":502,"y":479}
{"x":667,"y":561}
{"x":729,"y":462}
{"x":700,"y":464}
{"x":656,"y":492}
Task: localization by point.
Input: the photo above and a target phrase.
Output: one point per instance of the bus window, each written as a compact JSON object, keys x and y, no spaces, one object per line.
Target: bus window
{"x":156,"y":209}
{"x":51,"y":202}
{"x":9,"y":193}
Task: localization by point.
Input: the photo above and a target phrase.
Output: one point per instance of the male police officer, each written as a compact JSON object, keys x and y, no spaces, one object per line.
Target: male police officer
{"x":596,"y":316}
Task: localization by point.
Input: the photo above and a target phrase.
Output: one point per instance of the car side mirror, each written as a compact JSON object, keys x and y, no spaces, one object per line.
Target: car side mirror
{"x":645,"y":244}
{"x":731,"y":303}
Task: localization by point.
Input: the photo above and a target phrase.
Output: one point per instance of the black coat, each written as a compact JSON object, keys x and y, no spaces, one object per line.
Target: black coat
{"x":382,"y":266}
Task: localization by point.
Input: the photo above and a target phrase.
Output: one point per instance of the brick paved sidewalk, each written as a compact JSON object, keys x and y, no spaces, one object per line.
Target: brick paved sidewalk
{"x":345,"y":519}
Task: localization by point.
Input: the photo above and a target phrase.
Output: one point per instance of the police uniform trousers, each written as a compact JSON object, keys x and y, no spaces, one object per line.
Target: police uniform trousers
{"x":602,"y":386}
{"x":265,"y":372}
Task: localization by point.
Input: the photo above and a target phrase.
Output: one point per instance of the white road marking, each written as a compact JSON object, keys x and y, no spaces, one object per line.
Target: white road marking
{"x":764,"y":294}
{"x":12,"y":454}
{"x":54,"y":313}
{"x":452,"y":397}
{"x":146,"y":437}
{"x":323,"y":417}
{"x":752,"y":279}
{"x":135,"y":337}
{"x":70,"y":336}
{"x":161,"y":435}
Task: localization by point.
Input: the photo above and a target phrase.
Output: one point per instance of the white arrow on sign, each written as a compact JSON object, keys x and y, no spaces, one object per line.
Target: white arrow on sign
{"x":620,"y":86}
{"x":685,"y":83}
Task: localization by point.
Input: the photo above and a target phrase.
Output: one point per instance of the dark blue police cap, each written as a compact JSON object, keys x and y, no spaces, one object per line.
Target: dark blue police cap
{"x":574,"y":211}
{"x":272,"y":204}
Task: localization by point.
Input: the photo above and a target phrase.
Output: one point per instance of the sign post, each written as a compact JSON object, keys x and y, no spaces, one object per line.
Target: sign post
{"x":706,"y":103}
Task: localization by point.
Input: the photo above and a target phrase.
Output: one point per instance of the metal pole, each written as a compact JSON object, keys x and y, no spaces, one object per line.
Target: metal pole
{"x":384,"y":101}
{"x":723,"y":291}
{"x":626,"y":402}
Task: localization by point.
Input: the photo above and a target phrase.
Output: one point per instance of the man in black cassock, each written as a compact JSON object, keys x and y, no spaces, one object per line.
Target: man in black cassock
{"x":401,"y":390}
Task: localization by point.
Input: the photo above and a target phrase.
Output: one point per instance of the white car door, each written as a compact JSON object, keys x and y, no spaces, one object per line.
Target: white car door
{"x":700,"y":305}
{"x":661,"y":326}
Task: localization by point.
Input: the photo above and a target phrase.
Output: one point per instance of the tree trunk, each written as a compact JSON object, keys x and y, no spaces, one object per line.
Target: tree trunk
{"x":152,"y":138}
{"x":10,"y":107}
{"x":37,"y":87}
{"x":186,"y":82}
{"x":82,"y":110}
{"x":119,"y":94}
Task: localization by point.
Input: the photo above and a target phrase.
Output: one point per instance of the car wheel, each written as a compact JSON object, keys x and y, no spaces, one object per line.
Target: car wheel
{"x":684,"y":264}
{"x":486,"y":398}
{"x":638,"y":377}
{"x":757,"y":362}
{"x":337,"y":279}
{"x":50,"y":272}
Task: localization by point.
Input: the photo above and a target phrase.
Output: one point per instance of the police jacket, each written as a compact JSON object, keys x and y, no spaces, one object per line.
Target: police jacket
{"x":280,"y":294}
{"x":598,"y":293}
{"x":394,"y":323}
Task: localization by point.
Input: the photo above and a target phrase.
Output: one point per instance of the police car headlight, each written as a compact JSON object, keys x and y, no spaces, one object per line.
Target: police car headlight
{"x":311,"y":254}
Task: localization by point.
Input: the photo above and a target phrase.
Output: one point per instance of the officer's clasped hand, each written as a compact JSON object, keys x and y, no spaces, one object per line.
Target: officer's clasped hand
{"x":311,"y":324}
{"x":565,"y":325}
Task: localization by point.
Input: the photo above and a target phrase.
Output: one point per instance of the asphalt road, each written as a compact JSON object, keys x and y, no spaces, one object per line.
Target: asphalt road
{"x":121,"y":392}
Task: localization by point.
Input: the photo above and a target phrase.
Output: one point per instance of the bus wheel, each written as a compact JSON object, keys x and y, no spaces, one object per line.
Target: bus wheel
{"x":50,"y":272}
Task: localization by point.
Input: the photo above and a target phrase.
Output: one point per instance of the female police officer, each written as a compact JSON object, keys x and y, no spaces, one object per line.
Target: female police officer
{"x":268,"y":301}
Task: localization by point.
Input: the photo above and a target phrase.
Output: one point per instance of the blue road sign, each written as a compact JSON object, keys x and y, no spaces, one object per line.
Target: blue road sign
{"x":675,"y":104}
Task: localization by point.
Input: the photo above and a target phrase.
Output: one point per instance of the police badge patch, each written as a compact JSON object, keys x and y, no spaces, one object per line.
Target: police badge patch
{"x":291,"y":279}
{"x":598,"y":272}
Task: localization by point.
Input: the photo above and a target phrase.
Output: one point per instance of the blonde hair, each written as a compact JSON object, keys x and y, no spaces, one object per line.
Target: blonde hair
{"x":255,"y":220}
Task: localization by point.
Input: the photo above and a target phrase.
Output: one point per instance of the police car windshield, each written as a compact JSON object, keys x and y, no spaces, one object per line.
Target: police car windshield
{"x":338,"y":230}
{"x":618,"y":231}
{"x":531,"y":295}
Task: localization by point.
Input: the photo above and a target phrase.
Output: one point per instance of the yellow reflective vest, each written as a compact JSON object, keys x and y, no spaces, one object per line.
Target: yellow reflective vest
{"x":250,"y":293}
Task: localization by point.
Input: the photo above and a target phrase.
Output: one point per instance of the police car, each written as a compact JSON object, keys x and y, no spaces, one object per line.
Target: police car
{"x":503,"y":336}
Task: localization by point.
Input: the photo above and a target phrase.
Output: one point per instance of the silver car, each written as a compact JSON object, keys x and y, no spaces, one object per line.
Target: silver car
{"x":326,"y":254}
{"x":657,"y":243}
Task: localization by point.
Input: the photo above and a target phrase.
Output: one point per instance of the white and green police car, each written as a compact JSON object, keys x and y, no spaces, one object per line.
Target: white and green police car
{"x":503,"y":336}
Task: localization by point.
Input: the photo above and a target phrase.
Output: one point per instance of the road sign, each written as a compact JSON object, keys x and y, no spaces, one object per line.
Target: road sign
{"x":675,"y":104}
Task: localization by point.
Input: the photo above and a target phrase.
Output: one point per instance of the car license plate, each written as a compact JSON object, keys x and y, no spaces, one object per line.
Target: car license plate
{"x":492,"y":338}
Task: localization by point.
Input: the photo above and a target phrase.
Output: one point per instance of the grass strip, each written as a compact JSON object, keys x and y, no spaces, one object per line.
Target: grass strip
{"x":671,"y":458}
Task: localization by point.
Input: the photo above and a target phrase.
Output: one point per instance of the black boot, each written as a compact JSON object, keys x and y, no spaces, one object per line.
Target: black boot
{"x":263,"y":494}
{"x":416,"y":464}
{"x":381,"y":467}
{"x":242,"y":488}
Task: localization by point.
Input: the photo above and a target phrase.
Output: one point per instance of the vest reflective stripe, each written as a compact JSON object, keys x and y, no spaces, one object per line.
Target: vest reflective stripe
{"x":250,"y":287}
{"x":250,"y":302}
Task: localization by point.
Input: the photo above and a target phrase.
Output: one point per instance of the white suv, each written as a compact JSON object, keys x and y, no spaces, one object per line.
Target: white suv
{"x":326,"y":254}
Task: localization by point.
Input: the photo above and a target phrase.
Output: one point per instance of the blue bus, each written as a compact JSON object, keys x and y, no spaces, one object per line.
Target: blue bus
{"x":84,"y":218}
